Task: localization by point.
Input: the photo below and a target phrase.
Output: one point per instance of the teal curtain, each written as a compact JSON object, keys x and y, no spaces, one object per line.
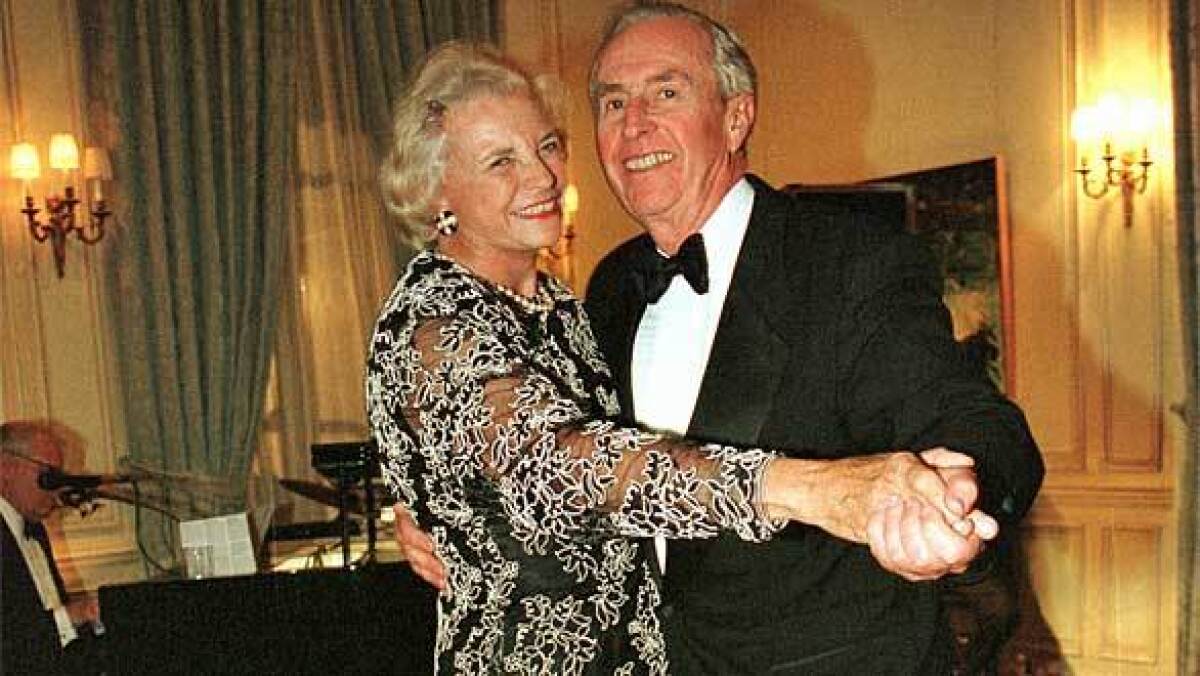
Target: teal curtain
{"x":344,"y":252}
{"x":1185,"y":51}
{"x":377,"y":44}
{"x":369,"y":49}
{"x":202,"y":103}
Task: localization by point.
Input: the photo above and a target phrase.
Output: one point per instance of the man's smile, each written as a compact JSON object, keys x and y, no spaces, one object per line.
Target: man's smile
{"x":648,"y":161}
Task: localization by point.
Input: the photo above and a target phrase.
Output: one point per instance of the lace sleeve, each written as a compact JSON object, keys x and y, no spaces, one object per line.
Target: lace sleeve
{"x":554,"y":469}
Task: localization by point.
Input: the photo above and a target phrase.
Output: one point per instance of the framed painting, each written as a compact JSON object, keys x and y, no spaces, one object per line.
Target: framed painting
{"x":960,"y":212}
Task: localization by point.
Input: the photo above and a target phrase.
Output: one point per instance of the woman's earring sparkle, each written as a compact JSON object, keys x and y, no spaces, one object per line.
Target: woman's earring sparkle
{"x":446,"y":222}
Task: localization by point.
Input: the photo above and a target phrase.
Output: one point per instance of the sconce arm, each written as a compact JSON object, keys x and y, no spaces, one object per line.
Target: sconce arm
{"x":1092,"y":187}
{"x":94,"y":230}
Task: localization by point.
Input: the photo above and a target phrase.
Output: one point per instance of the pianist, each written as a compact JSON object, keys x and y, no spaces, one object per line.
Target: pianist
{"x":43,"y":631}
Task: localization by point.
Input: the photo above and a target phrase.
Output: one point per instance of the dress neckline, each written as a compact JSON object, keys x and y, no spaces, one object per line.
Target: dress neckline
{"x":542,"y":302}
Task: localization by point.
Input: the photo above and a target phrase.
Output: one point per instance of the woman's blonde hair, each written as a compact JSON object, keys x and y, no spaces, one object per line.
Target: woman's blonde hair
{"x":454,"y":73}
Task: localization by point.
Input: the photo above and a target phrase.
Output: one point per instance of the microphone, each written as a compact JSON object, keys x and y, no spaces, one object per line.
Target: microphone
{"x":52,"y":479}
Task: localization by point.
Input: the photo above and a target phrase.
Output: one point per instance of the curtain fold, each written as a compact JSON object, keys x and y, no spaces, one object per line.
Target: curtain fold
{"x":253,"y":249}
{"x":346,"y":252}
{"x":202,"y":102}
{"x":1185,"y":35}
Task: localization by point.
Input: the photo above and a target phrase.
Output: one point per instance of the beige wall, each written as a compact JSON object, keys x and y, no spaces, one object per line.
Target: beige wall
{"x":841,"y":97}
{"x":852,"y":89}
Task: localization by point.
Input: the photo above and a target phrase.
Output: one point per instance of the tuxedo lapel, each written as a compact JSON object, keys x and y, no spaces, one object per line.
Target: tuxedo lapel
{"x":749,"y":353}
{"x":43,"y":539}
{"x":631,"y":302}
{"x":631,"y":318}
{"x":28,"y":635}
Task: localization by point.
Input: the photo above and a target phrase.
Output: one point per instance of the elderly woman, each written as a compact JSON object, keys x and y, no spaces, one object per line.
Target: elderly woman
{"x":493,"y":405}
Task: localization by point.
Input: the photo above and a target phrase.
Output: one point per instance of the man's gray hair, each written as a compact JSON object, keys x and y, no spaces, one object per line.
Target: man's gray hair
{"x":732,"y":67}
{"x":17,"y":438}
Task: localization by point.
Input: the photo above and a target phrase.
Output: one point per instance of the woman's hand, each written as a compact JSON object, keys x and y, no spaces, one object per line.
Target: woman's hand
{"x":915,"y":512}
{"x":417,"y":547}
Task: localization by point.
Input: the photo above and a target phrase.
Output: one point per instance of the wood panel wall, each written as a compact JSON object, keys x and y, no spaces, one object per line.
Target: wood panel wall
{"x":1103,"y":541}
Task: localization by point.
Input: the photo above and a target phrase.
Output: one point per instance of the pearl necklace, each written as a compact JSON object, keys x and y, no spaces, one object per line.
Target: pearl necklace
{"x":540,"y":303}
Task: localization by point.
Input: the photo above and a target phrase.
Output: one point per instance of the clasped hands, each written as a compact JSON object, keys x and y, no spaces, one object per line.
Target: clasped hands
{"x":925,"y":540}
{"x":916,"y":511}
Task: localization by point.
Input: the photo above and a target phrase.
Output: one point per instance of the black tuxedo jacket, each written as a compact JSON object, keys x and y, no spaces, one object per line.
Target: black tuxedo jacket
{"x":30,"y":642}
{"x":833,"y":342}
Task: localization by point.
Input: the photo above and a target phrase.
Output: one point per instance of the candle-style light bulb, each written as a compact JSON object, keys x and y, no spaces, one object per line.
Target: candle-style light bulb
{"x":570,"y":203}
{"x":1085,"y":129}
{"x":96,"y":170}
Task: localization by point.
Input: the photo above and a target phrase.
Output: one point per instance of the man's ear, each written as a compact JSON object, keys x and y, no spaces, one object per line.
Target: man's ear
{"x":739,"y":120}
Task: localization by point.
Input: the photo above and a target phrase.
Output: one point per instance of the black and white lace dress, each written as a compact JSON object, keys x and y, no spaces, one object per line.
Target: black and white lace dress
{"x":494,"y":422}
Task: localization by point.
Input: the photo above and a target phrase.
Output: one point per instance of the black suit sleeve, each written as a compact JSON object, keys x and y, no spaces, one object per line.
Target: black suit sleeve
{"x":614,"y":305}
{"x":910,"y":383}
{"x":603,"y":303}
{"x":29,"y":641}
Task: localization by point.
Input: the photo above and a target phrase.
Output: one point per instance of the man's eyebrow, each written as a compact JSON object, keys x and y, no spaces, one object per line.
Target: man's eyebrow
{"x":670,"y":75}
{"x":608,"y":88}
{"x":26,"y":457}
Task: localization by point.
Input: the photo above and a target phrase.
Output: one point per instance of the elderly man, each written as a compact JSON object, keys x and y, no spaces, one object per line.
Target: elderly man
{"x":796,"y":323}
{"x":41,"y":626}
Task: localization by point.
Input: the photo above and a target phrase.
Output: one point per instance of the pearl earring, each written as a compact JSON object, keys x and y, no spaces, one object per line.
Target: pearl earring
{"x":446,"y":222}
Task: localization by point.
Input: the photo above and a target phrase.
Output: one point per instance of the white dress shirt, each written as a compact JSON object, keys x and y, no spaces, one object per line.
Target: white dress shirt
{"x":671,"y":347}
{"x":39,"y":570}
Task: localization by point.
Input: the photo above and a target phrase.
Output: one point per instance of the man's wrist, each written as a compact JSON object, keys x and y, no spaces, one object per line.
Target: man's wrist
{"x":796,"y":490}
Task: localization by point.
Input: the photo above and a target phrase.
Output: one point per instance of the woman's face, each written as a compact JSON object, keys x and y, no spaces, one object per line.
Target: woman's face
{"x":504,"y":175}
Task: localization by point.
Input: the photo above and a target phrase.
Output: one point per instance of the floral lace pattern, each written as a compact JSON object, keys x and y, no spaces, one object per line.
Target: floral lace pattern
{"x":495,"y":427}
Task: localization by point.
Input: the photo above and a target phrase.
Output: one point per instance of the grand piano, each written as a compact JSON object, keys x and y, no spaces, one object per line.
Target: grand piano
{"x":374,"y":619}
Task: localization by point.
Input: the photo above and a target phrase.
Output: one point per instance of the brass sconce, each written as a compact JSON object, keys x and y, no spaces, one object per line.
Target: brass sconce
{"x":61,"y":209}
{"x":1120,"y":129}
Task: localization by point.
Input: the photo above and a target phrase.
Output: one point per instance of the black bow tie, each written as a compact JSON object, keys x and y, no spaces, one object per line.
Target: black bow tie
{"x":691,"y":262}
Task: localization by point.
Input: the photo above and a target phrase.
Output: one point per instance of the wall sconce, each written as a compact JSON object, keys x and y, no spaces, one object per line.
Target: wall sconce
{"x":60,"y":209}
{"x":1119,"y":131}
{"x":557,"y":258}
{"x":570,"y":204}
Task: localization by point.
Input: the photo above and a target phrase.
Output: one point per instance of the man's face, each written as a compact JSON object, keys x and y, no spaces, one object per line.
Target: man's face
{"x":32,"y":502}
{"x":667,"y":140}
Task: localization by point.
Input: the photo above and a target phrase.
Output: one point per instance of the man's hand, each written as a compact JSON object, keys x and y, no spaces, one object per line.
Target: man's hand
{"x":962,"y":489}
{"x":840,"y":496}
{"x":915,"y":512}
{"x":417,"y":548}
{"x":919,"y":541}
{"x":83,"y":609}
